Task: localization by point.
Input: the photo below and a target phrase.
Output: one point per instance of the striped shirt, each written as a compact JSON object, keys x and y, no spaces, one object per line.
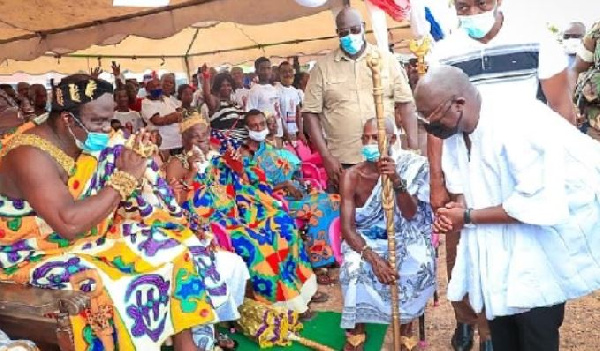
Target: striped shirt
{"x":229,"y":119}
{"x":510,"y":66}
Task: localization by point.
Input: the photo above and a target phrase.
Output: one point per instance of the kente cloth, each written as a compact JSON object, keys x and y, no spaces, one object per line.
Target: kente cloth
{"x":587,"y":93}
{"x":316,"y":209}
{"x":261,"y":232}
{"x":366,"y":300}
{"x":159,"y":275}
{"x":6,"y":344}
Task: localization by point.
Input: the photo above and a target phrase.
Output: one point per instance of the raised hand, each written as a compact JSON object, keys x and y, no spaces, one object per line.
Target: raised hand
{"x":96,"y":72}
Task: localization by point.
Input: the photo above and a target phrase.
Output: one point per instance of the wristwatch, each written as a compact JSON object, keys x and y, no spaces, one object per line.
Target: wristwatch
{"x":400,"y":186}
{"x":467,"y":223}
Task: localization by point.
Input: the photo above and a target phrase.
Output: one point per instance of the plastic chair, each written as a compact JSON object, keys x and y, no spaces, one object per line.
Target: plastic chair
{"x":335,"y":240}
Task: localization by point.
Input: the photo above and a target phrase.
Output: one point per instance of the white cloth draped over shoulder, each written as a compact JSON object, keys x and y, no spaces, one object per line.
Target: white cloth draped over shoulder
{"x":366,"y":300}
{"x":545,"y":174}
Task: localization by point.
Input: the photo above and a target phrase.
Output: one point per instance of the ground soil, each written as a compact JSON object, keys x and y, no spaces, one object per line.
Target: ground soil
{"x":580,"y":331}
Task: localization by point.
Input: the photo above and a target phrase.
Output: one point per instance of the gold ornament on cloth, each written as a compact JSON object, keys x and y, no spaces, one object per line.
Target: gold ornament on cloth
{"x":74,"y":93}
{"x":67,"y":96}
{"x":90,"y":88}
{"x":124,"y":183}
{"x":194,"y":119}
{"x":269,"y":326}
{"x":144,"y":149}
{"x":100,"y":312}
{"x":59,"y":97}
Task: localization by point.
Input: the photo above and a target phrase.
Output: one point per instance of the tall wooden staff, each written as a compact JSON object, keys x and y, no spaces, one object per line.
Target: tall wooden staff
{"x":374,"y":62}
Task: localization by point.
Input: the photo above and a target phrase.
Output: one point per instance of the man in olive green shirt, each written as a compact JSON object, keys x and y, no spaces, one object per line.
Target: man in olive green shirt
{"x":339,"y":97}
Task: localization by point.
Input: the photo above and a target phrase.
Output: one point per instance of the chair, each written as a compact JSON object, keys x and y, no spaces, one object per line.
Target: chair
{"x":40,"y":315}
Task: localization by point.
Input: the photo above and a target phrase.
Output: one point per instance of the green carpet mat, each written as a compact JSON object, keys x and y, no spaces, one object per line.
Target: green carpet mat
{"x":325,"y":329}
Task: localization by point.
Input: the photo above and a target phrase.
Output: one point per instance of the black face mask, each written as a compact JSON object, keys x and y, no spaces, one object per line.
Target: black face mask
{"x":440,"y":131}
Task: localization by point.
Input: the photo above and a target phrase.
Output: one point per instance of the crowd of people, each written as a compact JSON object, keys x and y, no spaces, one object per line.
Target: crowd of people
{"x":176,"y":203}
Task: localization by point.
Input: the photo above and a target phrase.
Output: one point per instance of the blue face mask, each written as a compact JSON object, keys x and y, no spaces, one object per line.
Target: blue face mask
{"x":371,"y":152}
{"x":93,"y":142}
{"x":156,"y":93}
{"x":352,"y":43}
{"x":478,"y":26}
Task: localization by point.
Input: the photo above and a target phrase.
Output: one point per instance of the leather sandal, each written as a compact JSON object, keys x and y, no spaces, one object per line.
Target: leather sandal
{"x":355,"y":340}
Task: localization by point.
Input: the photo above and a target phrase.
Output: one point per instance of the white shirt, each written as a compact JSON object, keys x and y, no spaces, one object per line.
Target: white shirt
{"x":240,"y":96}
{"x":171,"y":136}
{"x":132,"y":117}
{"x":265,"y":98}
{"x":510,"y":65}
{"x":545,"y":174}
{"x":290,"y":99}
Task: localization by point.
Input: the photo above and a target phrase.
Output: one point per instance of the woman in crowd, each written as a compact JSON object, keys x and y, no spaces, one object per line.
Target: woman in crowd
{"x":185,"y":94}
{"x":235,"y":197}
{"x":225,"y":115}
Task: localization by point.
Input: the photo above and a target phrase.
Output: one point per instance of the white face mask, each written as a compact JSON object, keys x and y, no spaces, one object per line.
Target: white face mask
{"x":571,"y":45}
{"x":258,"y":136}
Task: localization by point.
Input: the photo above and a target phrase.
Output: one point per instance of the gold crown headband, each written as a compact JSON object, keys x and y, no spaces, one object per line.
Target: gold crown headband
{"x":67,"y":96}
{"x":194,"y":119}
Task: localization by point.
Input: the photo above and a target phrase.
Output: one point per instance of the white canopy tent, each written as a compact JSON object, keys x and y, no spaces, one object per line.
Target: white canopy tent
{"x":185,"y":36}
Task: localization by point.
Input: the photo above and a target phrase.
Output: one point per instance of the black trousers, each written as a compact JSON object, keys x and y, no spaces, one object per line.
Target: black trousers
{"x":536,"y":330}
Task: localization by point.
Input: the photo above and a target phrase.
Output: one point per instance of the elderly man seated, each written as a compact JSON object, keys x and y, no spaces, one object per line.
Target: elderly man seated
{"x":84,"y":211}
{"x":366,"y":273}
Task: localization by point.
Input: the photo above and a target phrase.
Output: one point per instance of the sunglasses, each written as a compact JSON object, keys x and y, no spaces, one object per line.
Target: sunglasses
{"x":347,"y":31}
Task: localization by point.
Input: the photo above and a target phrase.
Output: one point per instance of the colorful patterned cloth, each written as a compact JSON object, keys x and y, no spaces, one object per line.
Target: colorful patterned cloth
{"x":158,"y":275}
{"x":316,"y":209}
{"x":261,"y":232}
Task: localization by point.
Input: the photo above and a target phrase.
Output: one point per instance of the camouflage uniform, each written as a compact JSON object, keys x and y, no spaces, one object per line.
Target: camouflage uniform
{"x":587,"y":94}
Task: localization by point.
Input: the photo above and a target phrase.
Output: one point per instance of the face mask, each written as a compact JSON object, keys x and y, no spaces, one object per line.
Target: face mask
{"x":371,"y":152}
{"x":477,"y":26}
{"x":93,"y":142}
{"x":438,"y":130}
{"x":571,"y":45}
{"x":156,"y":93}
{"x":352,"y":43}
{"x":258,"y":136}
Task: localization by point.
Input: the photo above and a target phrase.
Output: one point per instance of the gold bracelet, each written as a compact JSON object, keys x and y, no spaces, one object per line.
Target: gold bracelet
{"x":124,"y":183}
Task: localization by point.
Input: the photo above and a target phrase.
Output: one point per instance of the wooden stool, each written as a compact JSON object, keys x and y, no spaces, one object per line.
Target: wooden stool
{"x":24,"y":312}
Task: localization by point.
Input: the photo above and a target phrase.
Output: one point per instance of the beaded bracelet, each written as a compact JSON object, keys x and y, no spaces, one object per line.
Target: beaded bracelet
{"x":124,"y":183}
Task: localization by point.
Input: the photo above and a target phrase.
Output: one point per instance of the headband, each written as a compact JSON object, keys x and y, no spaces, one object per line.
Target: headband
{"x":69,"y":96}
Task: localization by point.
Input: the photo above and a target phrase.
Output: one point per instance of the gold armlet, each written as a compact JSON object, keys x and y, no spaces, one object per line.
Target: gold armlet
{"x":124,"y":183}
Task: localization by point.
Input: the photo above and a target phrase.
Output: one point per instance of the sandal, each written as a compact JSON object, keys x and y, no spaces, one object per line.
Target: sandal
{"x":226,"y":343}
{"x":319,"y":297}
{"x":323,"y":277}
{"x":307,"y":316}
{"x":355,"y":341}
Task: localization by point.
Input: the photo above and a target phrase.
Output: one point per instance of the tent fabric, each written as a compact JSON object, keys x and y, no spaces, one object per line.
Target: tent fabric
{"x":35,"y":27}
{"x":216,"y":33}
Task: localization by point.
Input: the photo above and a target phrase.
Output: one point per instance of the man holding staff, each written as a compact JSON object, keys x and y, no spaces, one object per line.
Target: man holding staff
{"x":366,"y":271}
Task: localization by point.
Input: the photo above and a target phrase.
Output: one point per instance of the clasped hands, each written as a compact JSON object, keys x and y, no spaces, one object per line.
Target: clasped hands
{"x":449,"y":218}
